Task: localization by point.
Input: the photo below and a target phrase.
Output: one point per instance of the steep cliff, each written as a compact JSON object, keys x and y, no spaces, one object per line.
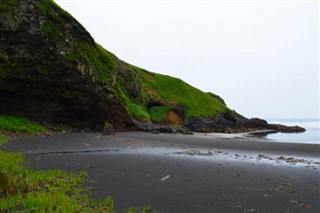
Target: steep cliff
{"x":51,"y":70}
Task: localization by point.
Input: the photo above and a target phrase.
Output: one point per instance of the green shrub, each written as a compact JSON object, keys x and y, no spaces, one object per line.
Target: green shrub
{"x":159,"y":113}
{"x":138,"y":112}
{"x":4,"y":183}
{"x":20,"y":124}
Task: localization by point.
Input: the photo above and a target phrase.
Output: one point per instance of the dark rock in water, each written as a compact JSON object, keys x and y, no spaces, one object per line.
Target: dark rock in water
{"x":236,"y":123}
{"x":286,"y":129}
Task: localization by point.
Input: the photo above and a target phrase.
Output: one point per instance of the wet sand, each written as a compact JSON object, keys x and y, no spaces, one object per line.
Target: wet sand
{"x":186,"y":173}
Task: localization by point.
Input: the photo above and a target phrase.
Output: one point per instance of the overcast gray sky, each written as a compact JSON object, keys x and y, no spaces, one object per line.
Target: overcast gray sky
{"x":261,"y":57}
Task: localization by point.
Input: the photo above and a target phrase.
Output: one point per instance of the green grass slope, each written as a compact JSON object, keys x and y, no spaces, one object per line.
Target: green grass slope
{"x":171,"y":92}
{"x":175,"y":92}
{"x":91,"y":83}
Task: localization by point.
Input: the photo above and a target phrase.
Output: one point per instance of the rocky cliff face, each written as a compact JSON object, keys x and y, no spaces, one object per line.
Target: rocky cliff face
{"x":51,"y":70}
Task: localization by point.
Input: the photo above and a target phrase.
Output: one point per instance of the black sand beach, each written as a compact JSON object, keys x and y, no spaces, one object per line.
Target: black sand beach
{"x":185,"y":173}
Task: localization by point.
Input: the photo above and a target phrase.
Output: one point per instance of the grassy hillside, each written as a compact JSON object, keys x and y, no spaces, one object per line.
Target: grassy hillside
{"x":175,"y":92}
{"x":171,"y":92}
{"x":73,"y":80}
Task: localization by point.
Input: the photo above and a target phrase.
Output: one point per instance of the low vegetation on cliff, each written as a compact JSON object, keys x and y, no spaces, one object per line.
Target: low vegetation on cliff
{"x":16,"y":124}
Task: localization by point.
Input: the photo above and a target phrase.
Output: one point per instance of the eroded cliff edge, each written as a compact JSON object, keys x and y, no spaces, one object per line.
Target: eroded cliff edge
{"x":52,"y":71}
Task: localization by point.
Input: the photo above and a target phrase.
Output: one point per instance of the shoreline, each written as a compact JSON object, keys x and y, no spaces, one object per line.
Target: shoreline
{"x":219,"y":141}
{"x":184,"y":173}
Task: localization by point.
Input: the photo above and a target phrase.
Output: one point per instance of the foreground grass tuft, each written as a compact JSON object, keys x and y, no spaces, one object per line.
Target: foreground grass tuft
{"x":27,"y":190}
{"x":43,"y":191}
{"x":3,"y":139}
{"x":20,"y":125}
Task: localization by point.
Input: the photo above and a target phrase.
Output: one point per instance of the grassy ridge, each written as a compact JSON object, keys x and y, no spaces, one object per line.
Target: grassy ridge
{"x":176,"y":92}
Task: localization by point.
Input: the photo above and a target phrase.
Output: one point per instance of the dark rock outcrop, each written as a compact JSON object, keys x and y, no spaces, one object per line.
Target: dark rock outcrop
{"x":52,"y":71}
{"x":144,"y":126}
{"x":201,"y":124}
{"x":45,"y":75}
{"x":253,"y":123}
{"x":155,"y":128}
{"x":237,"y":124}
{"x":286,"y":129}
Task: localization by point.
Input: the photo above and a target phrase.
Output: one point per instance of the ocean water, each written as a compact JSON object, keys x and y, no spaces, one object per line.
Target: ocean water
{"x":311,"y":136}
